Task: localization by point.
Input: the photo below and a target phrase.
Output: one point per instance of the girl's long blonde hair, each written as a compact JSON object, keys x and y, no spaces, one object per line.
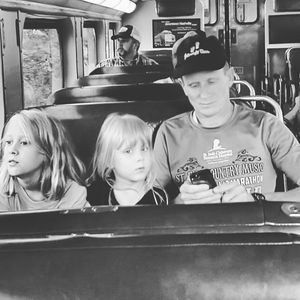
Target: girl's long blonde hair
{"x":117,"y":130}
{"x":60,"y":163}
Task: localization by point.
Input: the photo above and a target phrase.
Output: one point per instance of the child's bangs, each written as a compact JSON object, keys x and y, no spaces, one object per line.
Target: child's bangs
{"x":24,"y":125}
{"x":30,"y":128}
{"x":134,"y":132}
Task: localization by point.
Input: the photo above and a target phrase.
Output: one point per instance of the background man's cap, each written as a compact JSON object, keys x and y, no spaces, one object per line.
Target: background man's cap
{"x":126,"y":32}
{"x":195,"y":53}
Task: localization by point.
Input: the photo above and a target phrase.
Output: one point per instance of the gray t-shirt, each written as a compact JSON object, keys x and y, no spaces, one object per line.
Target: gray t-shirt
{"x":74,"y":197}
{"x":246,"y":149}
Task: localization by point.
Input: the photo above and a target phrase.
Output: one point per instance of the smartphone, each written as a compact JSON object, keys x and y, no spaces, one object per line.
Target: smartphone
{"x":203,"y":177}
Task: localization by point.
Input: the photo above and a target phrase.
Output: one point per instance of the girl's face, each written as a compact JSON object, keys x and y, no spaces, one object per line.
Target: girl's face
{"x":131,"y":164}
{"x":21,"y":156}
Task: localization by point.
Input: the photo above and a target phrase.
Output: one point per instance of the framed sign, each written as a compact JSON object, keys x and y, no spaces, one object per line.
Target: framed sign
{"x":167,"y":31}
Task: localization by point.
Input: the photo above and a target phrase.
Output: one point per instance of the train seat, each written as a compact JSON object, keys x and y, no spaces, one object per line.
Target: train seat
{"x":121,"y":78}
{"x":83,"y":113}
{"x":152,"y":69}
{"x":229,"y":251}
{"x":163,"y":57}
{"x":83,"y":120}
{"x":120,"y":92}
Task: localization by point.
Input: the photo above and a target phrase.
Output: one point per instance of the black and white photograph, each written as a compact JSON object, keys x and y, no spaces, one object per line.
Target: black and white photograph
{"x":150,"y":150}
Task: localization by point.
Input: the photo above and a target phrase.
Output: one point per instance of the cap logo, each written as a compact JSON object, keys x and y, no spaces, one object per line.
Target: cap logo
{"x":123,"y":29}
{"x":195,"y":50}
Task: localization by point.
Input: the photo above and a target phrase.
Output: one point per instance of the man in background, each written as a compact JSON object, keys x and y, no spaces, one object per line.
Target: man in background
{"x":129,"y":41}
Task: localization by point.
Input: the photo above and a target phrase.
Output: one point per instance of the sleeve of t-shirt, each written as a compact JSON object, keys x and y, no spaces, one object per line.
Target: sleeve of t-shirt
{"x":74,"y":196}
{"x":163,"y":172}
{"x":284,"y":148}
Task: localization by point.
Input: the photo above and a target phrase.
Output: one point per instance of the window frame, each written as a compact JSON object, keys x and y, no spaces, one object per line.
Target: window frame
{"x":90,"y":24}
{"x":217,"y":13}
{"x":246,"y":23}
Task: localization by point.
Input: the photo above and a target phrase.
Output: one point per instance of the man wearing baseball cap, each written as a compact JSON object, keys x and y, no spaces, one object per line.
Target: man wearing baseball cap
{"x":129,"y":41}
{"x":241,"y":147}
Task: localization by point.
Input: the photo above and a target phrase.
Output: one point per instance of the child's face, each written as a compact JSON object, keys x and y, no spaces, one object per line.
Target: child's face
{"x":21,"y":156}
{"x":131,"y":164}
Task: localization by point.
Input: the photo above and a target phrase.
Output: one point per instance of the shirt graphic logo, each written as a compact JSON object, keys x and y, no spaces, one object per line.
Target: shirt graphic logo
{"x":246,"y":169}
{"x":243,"y":155}
{"x":216,"y":145}
{"x":191,"y":165}
{"x":183,"y":172}
{"x":195,"y":50}
{"x":217,"y":153}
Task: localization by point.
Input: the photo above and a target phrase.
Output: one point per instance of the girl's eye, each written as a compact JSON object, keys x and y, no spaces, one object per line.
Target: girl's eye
{"x":145,"y":148}
{"x":128,"y":151}
{"x":8,"y":142}
{"x":24,"y":143}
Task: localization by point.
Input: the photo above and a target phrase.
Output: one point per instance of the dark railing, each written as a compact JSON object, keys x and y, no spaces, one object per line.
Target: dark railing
{"x":214,"y":251}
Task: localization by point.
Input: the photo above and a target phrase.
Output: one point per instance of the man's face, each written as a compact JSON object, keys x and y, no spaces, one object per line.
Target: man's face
{"x":208,"y":91}
{"x":126,"y":48}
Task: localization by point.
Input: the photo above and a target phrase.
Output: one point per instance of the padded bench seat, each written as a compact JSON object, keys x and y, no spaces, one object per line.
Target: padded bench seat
{"x":84,"y":120}
{"x":120,"y":92}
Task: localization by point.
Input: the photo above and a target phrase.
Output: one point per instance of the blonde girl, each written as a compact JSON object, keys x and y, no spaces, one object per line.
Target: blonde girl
{"x":124,"y":159}
{"x":38,"y":168}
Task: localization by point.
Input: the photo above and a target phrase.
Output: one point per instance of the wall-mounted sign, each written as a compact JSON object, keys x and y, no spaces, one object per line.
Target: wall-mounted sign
{"x":167,"y":31}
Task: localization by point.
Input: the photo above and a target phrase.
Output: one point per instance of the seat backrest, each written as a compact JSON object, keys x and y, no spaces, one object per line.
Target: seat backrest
{"x":161,"y":56}
{"x":122,"y":78}
{"x":120,"y":92}
{"x":132,"y":69}
{"x":84,"y":120}
{"x":83,"y":110}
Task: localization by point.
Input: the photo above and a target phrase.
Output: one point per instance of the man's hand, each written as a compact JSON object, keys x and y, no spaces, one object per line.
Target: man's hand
{"x":196,"y":194}
{"x":201,"y":194}
{"x":233,"y":192}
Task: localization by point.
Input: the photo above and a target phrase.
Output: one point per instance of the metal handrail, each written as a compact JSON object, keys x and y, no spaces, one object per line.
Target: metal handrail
{"x":247,"y":84}
{"x":272,"y":102}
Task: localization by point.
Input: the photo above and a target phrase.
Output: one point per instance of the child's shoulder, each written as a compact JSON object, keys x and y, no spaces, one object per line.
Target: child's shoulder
{"x":74,"y":195}
{"x":73,"y":186}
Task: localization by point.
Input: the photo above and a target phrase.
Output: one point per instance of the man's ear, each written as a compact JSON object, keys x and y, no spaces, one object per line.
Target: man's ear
{"x":136,"y":46}
{"x":180,"y":81}
{"x":230,"y":74}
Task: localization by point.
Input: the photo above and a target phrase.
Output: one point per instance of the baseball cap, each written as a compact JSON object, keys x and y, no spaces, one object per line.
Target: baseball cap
{"x":126,"y":32}
{"x":195,"y":53}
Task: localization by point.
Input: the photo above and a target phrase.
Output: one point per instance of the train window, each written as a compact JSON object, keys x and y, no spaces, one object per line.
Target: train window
{"x":210,"y":12}
{"x":246,"y":11}
{"x":89,"y":47}
{"x":41,"y":62}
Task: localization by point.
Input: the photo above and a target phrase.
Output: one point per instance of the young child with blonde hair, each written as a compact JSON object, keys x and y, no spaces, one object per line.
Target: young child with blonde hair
{"x":39,"y":170}
{"x":124,"y":159}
